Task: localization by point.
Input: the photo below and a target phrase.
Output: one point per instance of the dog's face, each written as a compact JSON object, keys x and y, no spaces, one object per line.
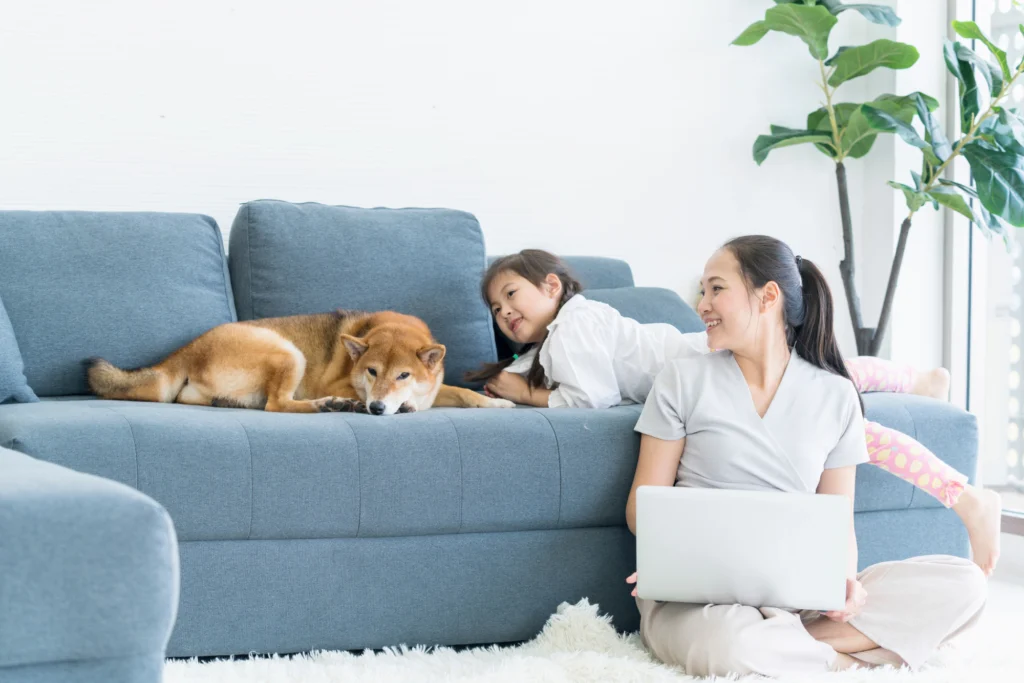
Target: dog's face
{"x":392,"y":371}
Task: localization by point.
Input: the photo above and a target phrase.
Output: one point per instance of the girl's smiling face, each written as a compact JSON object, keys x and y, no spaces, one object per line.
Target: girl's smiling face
{"x":524,"y":310}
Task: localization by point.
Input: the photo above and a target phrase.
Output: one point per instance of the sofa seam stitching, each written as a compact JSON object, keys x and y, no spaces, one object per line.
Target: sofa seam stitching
{"x":462,"y":481}
{"x":558,"y":449}
{"x":248,"y":257}
{"x":913,"y":490}
{"x":252,"y":479}
{"x":135,"y":445}
{"x":359,"y":479}
{"x":225,"y":274}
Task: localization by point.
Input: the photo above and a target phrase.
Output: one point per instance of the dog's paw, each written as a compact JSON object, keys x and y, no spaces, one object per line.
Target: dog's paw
{"x":499,"y":403}
{"x":333,"y":404}
{"x":407,"y":408}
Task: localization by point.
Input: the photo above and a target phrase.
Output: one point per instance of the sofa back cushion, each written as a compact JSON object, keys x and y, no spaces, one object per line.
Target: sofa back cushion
{"x":128,"y":287}
{"x":13,"y":385}
{"x":595,"y":272}
{"x":291,"y":259}
{"x":650,"y":305}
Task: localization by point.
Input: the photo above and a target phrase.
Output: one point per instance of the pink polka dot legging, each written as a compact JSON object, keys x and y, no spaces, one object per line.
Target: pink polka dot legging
{"x":894,"y":451}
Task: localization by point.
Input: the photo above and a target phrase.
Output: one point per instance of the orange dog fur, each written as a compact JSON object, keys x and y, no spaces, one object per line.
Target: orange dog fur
{"x":345,"y":361}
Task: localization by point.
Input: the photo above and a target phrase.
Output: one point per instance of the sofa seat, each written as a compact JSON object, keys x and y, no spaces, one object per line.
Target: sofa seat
{"x":226,"y":474}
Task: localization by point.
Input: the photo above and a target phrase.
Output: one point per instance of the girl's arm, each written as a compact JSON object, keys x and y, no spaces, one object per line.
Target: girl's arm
{"x":515,"y":388}
{"x":657,"y":466}
{"x":842,"y":481}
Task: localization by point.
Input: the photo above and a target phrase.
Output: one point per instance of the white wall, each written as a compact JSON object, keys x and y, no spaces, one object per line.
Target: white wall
{"x":610,"y":128}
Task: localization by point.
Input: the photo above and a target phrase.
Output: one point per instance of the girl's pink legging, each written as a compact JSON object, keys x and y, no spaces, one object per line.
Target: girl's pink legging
{"x":894,"y":451}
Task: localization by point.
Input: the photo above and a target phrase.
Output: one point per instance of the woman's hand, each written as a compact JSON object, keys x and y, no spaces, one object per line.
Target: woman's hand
{"x":508,"y":385}
{"x":856,"y":596}
{"x":632,"y":579}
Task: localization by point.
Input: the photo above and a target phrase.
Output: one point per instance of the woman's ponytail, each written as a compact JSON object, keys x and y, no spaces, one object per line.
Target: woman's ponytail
{"x":808,"y":310}
{"x":815,"y":337}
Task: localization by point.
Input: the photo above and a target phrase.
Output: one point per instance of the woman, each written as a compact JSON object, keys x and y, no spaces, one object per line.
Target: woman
{"x":775,"y":409}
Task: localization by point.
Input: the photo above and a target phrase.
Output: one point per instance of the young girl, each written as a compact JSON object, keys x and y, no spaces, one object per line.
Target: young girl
{"x":726,"y":420}
{"x":583,"y":354}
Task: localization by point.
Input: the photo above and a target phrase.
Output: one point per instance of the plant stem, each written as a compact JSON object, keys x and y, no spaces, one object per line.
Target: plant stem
{"x":890,"y":290}
{"x":836,"y":141}
{"x":846,"y":266}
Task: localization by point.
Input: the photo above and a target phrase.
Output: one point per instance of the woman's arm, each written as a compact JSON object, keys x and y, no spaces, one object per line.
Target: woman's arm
{"x":842,"y":481}
{"x":657,"y":466}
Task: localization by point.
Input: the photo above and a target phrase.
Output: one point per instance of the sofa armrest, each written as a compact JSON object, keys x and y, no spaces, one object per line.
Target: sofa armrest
{"x":88,"y":568}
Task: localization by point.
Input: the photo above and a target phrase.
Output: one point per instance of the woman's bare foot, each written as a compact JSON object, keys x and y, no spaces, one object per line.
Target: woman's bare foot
{"x":844,"y":662}
{"x":981,"y":512}
{"x":933,"y":384}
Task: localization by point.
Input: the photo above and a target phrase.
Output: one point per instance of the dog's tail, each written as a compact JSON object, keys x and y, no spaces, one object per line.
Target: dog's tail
{"x":160,"y":383}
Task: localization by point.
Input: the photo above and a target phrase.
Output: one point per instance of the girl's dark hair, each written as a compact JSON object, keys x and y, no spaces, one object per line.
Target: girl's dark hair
{"x":533,"y":265}
{"x":807,"y":300}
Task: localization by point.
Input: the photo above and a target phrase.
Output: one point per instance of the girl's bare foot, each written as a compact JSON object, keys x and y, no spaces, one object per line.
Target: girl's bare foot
{"x":933,"y":384}
{"x":981,"y":511}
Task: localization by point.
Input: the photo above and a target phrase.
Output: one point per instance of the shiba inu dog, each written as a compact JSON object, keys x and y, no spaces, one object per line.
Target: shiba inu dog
{"x":346,"y":361}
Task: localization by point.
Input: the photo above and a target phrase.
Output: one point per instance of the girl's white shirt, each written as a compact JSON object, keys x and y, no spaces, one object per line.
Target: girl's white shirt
{"x":599,"y":358}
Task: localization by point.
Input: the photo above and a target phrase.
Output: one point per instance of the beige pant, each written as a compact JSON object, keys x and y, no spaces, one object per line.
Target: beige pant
{"x":913,"y":606}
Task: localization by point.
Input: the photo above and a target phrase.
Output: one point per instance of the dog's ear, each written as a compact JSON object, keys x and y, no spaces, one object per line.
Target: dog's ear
{"x":355,"y":347}
{"x":431,"y":355}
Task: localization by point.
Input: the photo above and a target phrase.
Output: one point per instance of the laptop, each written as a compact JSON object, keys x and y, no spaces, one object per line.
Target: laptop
{"x":757,"y":548}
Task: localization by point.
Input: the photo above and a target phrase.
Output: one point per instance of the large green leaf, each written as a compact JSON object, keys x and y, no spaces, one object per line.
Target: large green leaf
{"x":879,"y":14}
{"x":810,"y":23}
{"x":994,"y":224}
{"x":785,"y":137}
{"x":832,"y":60}
{"x":932,"y":128}
{"x":970,"y":104}
{"x":752,"y":34}
{"x":915,"y":199}
{"x":863,"y":59}
{"x":963,"y":188}
{"x":1005,"y":129}
{"x":884,"y":121}
{"x":856,"y":134}
{"x":990,"y":72}
{"x":952,"y":199}
{"x":982,"y":216}
{"x":999,"y":178}
{"x":818,"y":121}
{"x":968,"y":29}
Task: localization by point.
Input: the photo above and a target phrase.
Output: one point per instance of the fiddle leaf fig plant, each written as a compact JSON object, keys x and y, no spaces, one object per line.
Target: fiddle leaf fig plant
{"x":991,"y":136}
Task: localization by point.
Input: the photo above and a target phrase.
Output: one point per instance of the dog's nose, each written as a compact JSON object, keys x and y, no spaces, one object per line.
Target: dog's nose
{"x":377,"y":407}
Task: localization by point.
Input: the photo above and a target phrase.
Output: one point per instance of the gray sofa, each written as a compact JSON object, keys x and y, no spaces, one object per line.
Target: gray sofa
{"x":341,"y":531}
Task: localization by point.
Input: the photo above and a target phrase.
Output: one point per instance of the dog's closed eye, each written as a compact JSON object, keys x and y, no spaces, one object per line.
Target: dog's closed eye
{"x":404,"y":375}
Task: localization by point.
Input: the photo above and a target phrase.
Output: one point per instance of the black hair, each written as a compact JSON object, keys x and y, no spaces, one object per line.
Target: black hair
{"x":808,"y":308}
{"x":533,"y":265}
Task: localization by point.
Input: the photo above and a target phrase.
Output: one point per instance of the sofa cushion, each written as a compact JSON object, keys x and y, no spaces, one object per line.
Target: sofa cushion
{"x":13,"y":386}
{"x":289,"y":259}
{"x":650,"y":305}
{"x":130,"y":287}
{"x":246,"y":474}
{"x":595,"y":271}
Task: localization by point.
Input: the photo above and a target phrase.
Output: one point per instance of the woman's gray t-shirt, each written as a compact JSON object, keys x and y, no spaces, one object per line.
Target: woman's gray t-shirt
{"x":813,"y":423}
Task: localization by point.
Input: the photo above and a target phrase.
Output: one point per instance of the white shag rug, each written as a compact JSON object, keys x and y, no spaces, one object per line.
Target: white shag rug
{"x":579,"y":644}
